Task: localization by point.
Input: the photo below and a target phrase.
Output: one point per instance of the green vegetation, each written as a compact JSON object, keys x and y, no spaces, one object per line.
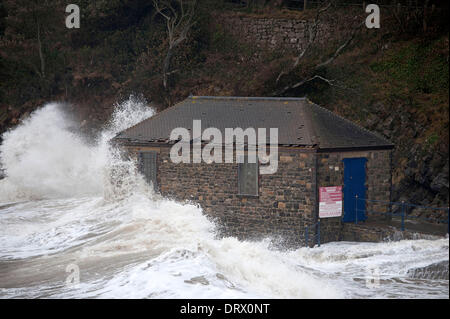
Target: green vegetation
{"x":407,"y":65}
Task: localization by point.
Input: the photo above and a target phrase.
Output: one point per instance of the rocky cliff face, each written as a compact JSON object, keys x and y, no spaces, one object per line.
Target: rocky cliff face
{"x":421,"y":168}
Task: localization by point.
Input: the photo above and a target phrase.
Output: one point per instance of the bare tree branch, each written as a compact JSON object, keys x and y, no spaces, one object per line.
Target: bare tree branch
{"x":41,"y":55}
{"x":300,"y":83}
{"x":336,"y":53}
{"x":313,"y":30}
{"x":179,"y":21}
{"x":339,"y":49}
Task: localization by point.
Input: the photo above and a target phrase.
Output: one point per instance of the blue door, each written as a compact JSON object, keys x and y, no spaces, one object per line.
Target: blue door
{"x":354,"y":184}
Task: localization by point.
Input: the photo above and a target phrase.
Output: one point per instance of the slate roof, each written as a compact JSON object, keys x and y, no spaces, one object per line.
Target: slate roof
{"x":299,"y":121}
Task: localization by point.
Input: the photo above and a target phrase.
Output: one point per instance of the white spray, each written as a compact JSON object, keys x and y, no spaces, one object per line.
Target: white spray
{"x":44,"y":157}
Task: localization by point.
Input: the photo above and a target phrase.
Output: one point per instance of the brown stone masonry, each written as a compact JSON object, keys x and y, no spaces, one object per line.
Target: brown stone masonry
{"x":284,"y":207}
{"x":280,"y":33}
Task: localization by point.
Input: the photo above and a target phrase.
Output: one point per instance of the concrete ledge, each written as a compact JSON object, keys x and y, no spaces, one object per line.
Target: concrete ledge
{"x":374,"y":233}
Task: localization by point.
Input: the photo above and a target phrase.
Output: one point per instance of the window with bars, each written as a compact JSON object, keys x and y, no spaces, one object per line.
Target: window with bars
{"x":248,"y":178}
{"x":147,"y":167}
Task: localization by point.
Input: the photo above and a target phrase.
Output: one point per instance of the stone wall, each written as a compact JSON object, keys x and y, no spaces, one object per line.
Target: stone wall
{"x":284,"y":207}
{"x":275,"y":33}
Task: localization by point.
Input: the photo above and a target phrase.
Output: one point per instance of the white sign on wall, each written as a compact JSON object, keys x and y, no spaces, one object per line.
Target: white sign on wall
{"x":330,"y":201}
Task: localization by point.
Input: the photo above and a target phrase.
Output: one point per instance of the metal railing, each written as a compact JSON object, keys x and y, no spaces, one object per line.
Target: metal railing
{"x":400,"y":210}
{"x":316,"y":237}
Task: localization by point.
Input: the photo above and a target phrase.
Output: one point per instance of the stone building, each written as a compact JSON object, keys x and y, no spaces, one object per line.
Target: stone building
{"x":316,"y":148}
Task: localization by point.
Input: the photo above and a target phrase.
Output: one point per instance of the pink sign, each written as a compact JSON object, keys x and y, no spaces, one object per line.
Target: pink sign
{"x":330,"y":201}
